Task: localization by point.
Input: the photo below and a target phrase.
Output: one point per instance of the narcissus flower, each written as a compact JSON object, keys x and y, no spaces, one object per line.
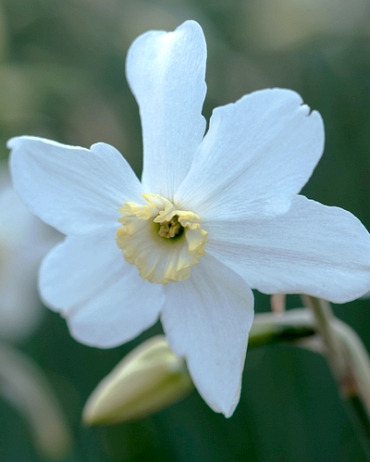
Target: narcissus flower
{"x":214,"y":215}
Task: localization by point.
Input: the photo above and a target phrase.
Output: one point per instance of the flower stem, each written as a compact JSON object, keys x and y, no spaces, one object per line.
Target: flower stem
{"x":350,"y":365}
{"x":357,"y":392}
{"x":333,"y":350}
{"x":344,"y":350}
{"x":269,"y":328}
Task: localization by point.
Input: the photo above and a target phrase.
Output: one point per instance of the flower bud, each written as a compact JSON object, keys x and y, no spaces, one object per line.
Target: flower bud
{"x":147,"y":380}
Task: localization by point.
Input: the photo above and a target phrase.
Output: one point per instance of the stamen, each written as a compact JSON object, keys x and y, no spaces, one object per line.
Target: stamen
{"x":163,"y":241}
{"x":171,"y":229}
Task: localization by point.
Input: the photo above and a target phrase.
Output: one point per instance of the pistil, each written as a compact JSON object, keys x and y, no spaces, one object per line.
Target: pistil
{"x":171,"y":229}
{"x":162,"y":241}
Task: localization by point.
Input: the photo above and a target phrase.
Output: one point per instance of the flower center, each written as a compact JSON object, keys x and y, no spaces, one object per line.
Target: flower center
{"x":171,"y":229}
{"x":162,"y":241}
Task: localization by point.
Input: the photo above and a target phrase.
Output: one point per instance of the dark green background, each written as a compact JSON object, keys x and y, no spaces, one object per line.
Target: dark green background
{"x":62,"y":76}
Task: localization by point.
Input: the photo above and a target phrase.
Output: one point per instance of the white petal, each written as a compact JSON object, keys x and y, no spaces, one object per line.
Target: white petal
{"x":207,"y":319}
{"x":166,"y":73}
{"x":257,"y":154}
{"x":313,"y":249}
{"x":103,"y":298}
{"x":74,"y":189}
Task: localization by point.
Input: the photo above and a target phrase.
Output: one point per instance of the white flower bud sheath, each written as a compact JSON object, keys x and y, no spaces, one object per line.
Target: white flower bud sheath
{"x":162,"y":241}
{"x":217,"y":213}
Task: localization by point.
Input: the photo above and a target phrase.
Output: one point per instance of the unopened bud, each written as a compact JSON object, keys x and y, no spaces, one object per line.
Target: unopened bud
{"x":147,"y":380}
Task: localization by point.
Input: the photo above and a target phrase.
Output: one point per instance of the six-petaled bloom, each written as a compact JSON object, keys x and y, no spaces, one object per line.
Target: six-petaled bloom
{"x":214,"y":216}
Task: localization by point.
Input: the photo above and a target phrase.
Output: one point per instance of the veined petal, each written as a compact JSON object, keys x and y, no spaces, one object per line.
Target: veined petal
{"x":103,"y":298}
{"x":166,"y":73}
{"x":257,"y":154}
{"x":74,"y":189}
{"x":313,"y":249}
{"x":207,"y":319}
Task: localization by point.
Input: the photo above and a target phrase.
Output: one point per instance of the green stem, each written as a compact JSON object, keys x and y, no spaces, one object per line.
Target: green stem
{"x":357,"y":359}
{"x":350,"y":365}
{"x":357,"y":392}
{"x":269,"y":328}
{"x":344,"y":350}
{"x":324,"y":319}
{"x":359,"y":417}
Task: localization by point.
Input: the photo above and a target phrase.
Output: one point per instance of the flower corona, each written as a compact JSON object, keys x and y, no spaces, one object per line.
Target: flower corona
{"x":161,"y":240}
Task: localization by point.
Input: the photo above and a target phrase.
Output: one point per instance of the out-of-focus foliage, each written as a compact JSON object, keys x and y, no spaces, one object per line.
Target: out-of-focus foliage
{"x":62,"y":76}
{"x":24,"y":241}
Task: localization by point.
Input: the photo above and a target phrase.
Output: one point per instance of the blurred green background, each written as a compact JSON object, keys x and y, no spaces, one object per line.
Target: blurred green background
{"x":62,"y":76}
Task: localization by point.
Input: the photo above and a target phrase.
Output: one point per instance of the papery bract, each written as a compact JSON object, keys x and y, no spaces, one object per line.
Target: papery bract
{"x":148,"y":379}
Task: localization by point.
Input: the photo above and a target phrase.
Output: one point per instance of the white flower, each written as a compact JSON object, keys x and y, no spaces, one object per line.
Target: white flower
{"x":213,"y":217}
{"x":24,"y":241}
